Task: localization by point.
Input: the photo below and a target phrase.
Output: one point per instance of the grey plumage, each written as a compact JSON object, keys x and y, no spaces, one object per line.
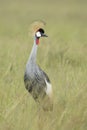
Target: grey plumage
{"x":35,"y":78}
{"x":36,"y":84}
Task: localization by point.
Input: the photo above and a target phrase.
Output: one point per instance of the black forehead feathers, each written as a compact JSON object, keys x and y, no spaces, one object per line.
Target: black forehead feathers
{"x":41,"y":30}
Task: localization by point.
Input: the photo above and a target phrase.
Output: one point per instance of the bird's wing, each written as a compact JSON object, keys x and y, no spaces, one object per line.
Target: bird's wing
{"x":40,"y":88}
{"x":35,"y":85}
{"x":48,"y":86}
{"x":40,"y":83}
{"x":48,"y":102}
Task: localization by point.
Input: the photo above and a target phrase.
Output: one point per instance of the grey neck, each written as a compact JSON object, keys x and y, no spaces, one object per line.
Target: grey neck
{"x":33,"y":53}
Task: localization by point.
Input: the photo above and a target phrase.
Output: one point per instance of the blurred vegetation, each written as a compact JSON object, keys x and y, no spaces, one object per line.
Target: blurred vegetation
{"x":64,"y":55}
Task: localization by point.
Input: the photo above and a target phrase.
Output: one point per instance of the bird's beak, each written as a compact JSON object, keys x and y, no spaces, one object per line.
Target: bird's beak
{"x":44,"y":35}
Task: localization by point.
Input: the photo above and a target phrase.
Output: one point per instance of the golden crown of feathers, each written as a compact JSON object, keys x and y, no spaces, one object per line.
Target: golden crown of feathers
{"x":36,"y":25}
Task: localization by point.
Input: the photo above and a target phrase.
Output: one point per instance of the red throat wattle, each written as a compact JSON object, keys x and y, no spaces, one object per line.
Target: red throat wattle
{"x":37,"y":41}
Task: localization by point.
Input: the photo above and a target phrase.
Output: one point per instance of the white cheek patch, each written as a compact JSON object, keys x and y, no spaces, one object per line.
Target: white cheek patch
{"x":38,"y":34}
{"x":49,"y":89}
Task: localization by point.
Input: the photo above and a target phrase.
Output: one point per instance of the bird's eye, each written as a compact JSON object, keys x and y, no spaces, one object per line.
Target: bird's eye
{"x":38,"y":34}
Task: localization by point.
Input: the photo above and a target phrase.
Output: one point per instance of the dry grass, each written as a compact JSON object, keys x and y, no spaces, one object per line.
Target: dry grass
{"x":64,"y":56}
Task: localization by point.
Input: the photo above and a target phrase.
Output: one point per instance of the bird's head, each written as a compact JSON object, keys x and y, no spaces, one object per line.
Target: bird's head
{"x":39,"y":33}
{"x":37,"y":30}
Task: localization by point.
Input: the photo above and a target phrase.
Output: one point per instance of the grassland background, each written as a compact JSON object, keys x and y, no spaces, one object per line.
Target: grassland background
{"x":63,"y":55}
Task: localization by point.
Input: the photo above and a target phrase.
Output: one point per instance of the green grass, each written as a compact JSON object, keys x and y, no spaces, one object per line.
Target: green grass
{"x":64,"y":55}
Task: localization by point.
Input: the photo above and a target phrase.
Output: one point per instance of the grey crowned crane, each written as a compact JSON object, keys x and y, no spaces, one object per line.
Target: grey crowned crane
{"x":36,"y":80}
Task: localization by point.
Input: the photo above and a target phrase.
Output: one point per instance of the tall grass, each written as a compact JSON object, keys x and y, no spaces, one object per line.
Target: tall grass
{"x":64,"y":55}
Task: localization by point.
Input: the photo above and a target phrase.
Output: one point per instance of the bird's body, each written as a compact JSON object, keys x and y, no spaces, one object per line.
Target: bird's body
{"x":36,"y":80}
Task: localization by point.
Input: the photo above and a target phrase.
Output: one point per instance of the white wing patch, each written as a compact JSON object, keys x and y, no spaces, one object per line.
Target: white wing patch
{"x":49,"y":89}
